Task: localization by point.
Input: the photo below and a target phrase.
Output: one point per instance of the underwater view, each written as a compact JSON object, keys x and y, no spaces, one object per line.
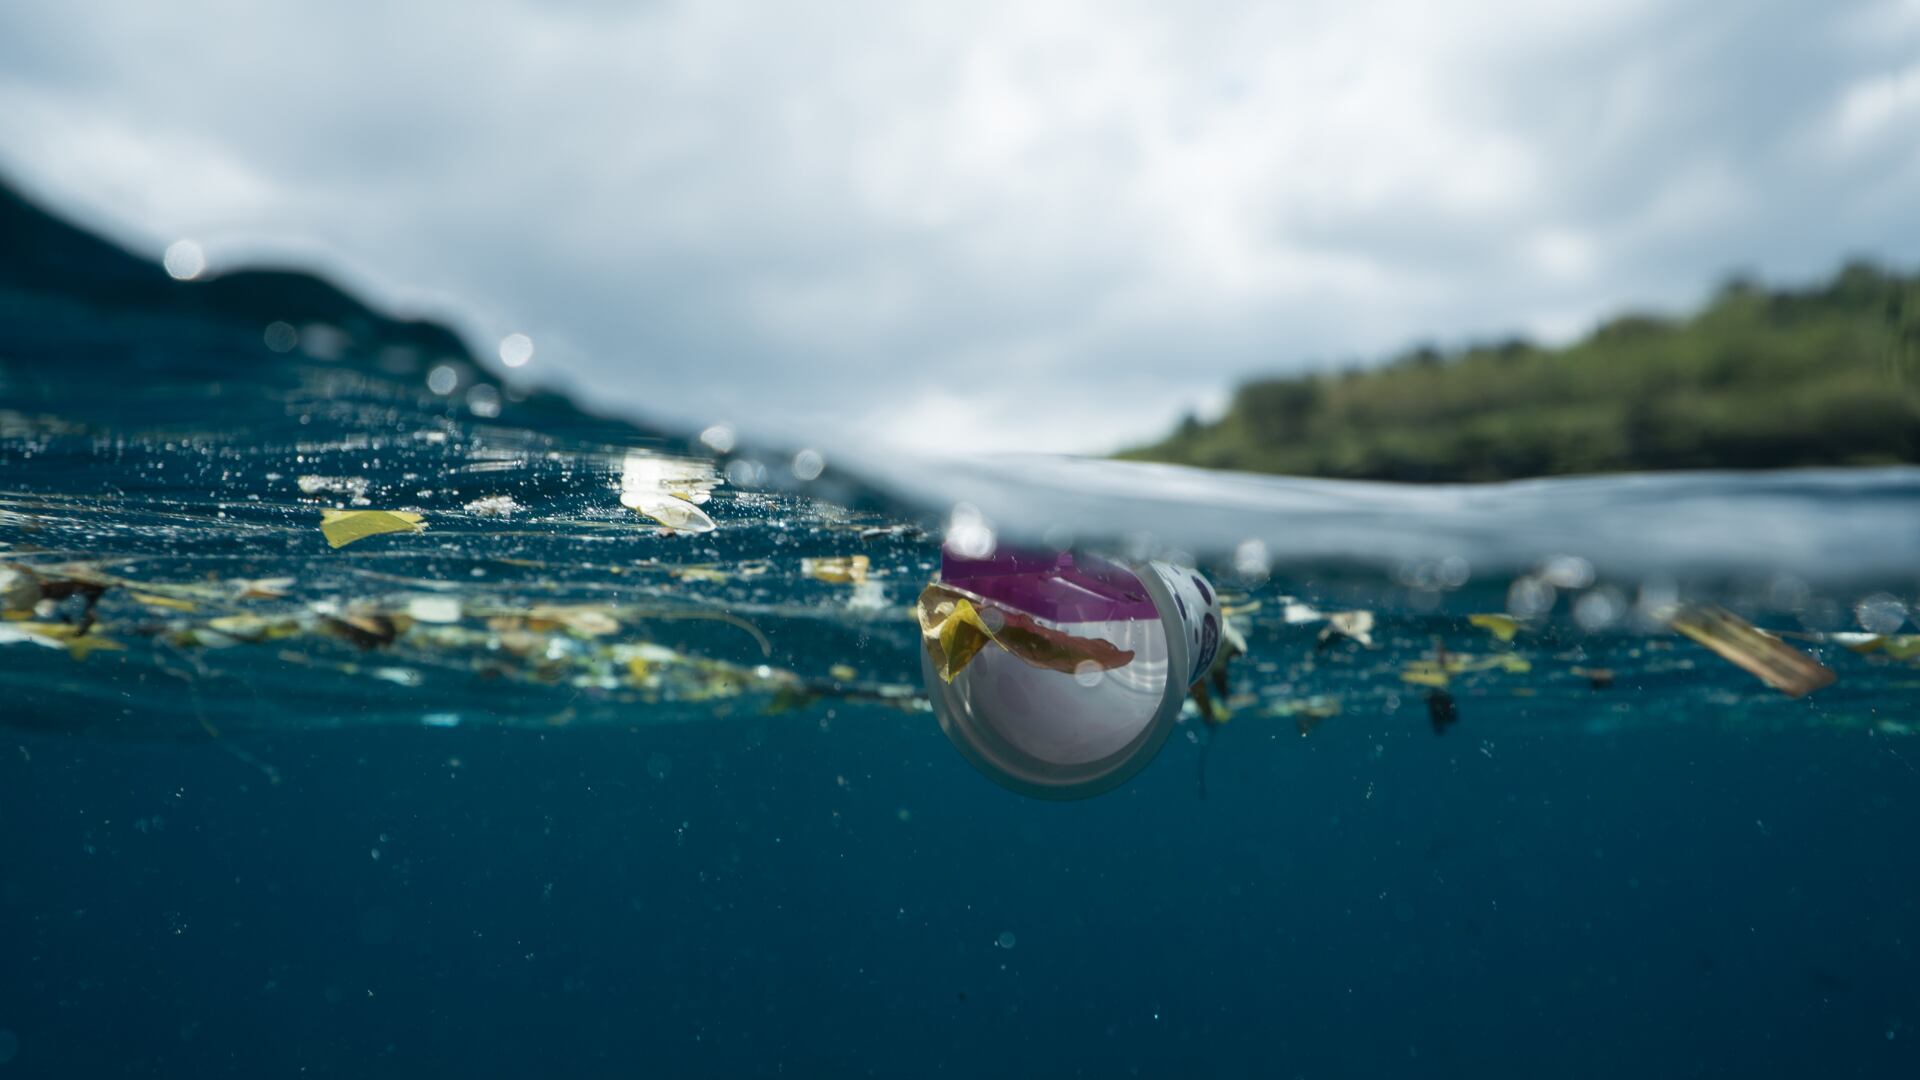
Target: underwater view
{"x":368,"y":716}
{"x":873,"y":539}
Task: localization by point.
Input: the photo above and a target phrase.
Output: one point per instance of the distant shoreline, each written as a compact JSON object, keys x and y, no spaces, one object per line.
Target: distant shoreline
{"x":1759,"y":379}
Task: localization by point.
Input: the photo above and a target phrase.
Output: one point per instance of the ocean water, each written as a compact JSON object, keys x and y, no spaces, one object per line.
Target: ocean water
{"x":544,"y":787}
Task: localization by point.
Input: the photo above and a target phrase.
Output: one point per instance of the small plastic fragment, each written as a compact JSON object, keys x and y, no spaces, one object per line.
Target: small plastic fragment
{"x":1502,"y":627}
{"x":1762,"y":655}
{"x":837,"y":569}
{"x":670,"y":510}
{"x":343,"y":527}
{"x":1353,"y":625}
{"x":954,"y":631}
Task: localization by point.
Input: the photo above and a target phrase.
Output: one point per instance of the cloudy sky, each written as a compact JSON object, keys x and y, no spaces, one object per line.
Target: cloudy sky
{"x":999,"y":225}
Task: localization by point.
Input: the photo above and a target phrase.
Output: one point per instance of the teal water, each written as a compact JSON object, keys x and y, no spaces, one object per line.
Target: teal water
{"x":546,"y":788}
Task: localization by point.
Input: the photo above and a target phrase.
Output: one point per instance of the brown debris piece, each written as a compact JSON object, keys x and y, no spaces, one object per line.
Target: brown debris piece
{"x":1738,"y":641}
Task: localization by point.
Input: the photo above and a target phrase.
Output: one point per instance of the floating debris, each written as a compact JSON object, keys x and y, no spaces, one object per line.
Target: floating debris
{"x":1502,"y":627}
{"x":1441,"y":670}
{"x":261,"y":588}
{"x":1738,"y":641}
{"x":954,"y":631}
{"x":19,"y":589}
{"x":343,"y":527}
{"x":1307,"y":713}
{"x":354,"y":487}
{"x":668,"y":490}
{"x":1598,"y":678}
{"x":675,"y":513}
{"x":497,"y":506}
{"x":1356,"y":626}
{"x":1895,"y":646}
{"x":837,"y":569}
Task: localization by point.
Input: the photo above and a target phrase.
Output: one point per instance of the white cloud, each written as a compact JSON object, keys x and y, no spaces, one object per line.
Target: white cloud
{"x":1082,"y":219}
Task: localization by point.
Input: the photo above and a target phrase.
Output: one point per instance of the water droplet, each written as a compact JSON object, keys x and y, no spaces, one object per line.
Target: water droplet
{"x":281,"y":337}
{"x":1881,"y":613}
{"x":808,"y":465}
{"x":1006,"y":940}
{"x":719,"y":438}
{"x":1088,"y":674}
{"x":516,"y":350}
{"x":442,"y":380}
{"x":184,"y":260}
{"x":968,"y":534}
{"x":484,"y":401}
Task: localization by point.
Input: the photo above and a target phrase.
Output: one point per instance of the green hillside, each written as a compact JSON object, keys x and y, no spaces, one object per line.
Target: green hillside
{"x":1762,"y":378}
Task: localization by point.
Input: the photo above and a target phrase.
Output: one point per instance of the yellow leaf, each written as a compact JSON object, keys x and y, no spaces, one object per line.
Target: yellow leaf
{"x":1500,"y":626}
{"x":343,"y":527}
{"x":1425,"y":673}
{"x":843,"y":672}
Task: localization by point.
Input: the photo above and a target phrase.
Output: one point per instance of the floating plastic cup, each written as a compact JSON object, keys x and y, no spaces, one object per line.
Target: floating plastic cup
{"x":1080,"y":669}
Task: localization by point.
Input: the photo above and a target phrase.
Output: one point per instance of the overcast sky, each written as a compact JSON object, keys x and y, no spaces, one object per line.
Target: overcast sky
{"x":1000,"y":225}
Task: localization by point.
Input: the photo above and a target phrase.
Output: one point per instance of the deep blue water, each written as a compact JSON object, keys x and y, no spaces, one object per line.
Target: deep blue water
{"x":1681,"y":902}
{"x":549,"y":791}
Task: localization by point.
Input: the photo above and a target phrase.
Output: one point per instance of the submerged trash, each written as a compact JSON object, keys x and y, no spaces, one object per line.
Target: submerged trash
{"x":954,"y":631}
{"x":1502,"y":627}
{"x":837,"y":569}
{"x":1356,"y":626}
{"x":1766,"y":657}
{"x":1060,"y":675}
{"x":1442,"y":711}
{"x":1307,"y":713}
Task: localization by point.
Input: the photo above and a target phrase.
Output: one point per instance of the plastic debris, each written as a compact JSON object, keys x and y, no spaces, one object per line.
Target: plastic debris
{"x":668,"y":490}
{"x":343,"y":527}
{"x":1355,"y":626}
{"x":953,"y":631}
{"x":1307,"y":713}
{"x":672,"y":511}
{"x":1895,"y":646}
{"x":1762,"y":655}
{"x":1502,"y":627}
{"x":837,"y":569}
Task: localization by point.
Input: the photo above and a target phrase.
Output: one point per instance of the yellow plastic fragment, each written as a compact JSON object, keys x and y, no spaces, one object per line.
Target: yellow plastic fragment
{"x":668,"y":509}
{"x":343,"y":527}
{"x":1438,"y":673}
{"x":65,"y":635}
{"x":1762,"y":655}
{"x":837,"y":569}
{"x":1897,"y":646}
{"x":1502,"y":627}
{"x":167,"y":602}
{"x":954,"y":631}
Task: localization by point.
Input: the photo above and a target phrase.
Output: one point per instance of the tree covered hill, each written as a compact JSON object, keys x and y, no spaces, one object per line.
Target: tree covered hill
{"x":1762,"y":378}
